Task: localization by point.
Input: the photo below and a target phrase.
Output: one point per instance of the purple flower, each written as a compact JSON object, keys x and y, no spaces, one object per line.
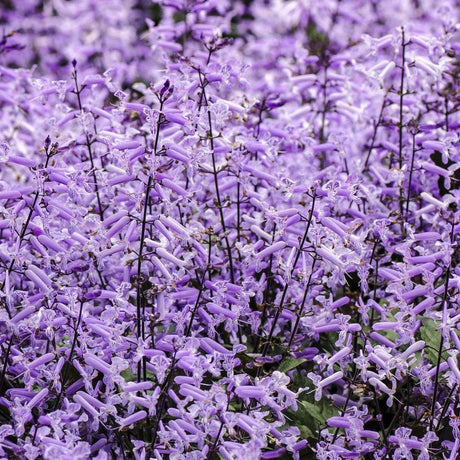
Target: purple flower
{"x":192,"y":226}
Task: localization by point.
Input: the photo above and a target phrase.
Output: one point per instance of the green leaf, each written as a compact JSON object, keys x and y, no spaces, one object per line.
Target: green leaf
{"x":65,"y":341}
{"x":310,"y":416}
{"x":313,"y":410}
{"x":290,"y":363}
{"x":69,"y":373}
{"x":128,"y":375}
{"x":179,"y":16}
{"x":432,"y":337}
{"x":306,"y":432}
{"x":156,"y":13}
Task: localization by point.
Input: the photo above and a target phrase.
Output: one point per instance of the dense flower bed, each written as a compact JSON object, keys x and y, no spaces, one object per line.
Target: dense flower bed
{"x":229,"y":229}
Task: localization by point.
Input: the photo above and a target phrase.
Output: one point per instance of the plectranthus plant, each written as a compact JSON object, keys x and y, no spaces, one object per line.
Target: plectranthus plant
{"x":229,"y":229}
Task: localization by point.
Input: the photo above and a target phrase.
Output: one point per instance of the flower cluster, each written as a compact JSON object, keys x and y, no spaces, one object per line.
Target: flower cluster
{"x":229,"y":229}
